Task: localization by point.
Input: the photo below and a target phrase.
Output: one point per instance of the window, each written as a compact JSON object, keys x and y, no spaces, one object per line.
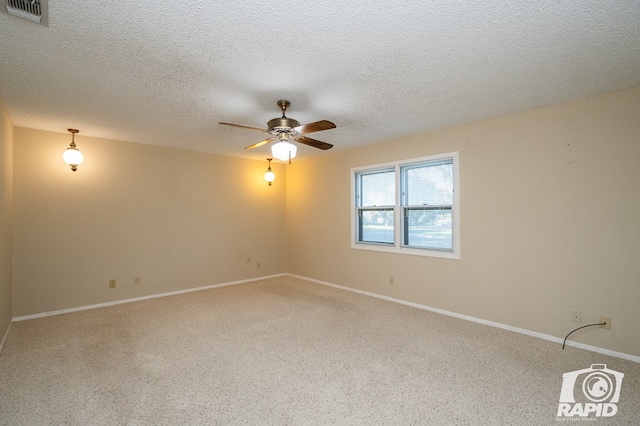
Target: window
{"x":376,"y":206}
{"x":408,"y":207}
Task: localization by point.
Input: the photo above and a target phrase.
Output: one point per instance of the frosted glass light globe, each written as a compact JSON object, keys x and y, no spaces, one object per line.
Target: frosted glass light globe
{"x":269,"y":176}
{"x":282,"y":149}
{"x":72,"y":157}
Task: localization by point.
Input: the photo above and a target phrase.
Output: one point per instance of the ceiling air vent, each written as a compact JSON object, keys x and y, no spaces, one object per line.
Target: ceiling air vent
{"x":31,"y":10}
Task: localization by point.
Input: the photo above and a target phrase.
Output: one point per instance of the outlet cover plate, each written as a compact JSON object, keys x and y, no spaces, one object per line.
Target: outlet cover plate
{"x":576,"y":316}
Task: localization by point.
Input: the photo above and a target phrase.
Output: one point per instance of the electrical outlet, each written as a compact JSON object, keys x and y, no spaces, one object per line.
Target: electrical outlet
{"x":606,"y":321}
{"x":391,"y":281}
{"x":576,"y":316}
{"x":112,"y":283}
{"x":136,"y":280}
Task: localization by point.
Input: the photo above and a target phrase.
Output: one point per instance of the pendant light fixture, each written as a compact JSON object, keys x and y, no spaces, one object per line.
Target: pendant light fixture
{"x":269,"y":176}
{"x":72,"y":156}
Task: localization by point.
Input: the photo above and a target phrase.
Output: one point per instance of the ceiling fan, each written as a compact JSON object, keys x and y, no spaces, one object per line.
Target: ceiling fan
{"x":283,"y":129}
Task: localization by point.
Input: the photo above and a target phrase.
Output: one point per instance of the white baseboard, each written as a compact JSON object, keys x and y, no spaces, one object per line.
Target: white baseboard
{"x":480,"y":321}
{"x":366,"y":293}
{"x":137,"y":299}
{"x":4,"y":339}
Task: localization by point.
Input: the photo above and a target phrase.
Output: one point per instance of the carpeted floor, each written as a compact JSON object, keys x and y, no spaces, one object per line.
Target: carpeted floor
{"x":285,"y":352}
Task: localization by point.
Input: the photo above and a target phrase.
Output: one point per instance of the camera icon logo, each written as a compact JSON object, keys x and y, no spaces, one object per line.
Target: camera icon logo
{"x":594,"y":390}
{"x":597,"y":387}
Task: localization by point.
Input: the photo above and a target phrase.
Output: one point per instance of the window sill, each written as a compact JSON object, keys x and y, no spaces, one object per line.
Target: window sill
{"x":442,"y":254}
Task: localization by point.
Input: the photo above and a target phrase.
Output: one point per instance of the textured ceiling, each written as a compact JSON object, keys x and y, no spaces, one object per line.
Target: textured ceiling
{"x":165,"y":72}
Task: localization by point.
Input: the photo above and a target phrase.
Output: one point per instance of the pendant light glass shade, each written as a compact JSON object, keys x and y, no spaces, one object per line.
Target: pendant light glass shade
{"x":72,"y":156}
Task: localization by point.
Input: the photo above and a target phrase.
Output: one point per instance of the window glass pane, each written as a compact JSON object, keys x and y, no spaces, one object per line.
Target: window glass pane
{"x":429,"y":185}
{"x":377,"y":189}
{"x":376,"y":226}
{"x":428,"y":229}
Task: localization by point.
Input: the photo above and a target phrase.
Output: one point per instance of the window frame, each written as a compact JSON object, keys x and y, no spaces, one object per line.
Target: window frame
{"x":399,"y":208}
{"x":383,"y":207}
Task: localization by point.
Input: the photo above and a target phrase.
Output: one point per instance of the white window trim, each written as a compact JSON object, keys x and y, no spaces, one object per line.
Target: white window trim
{"x":397,"y":246}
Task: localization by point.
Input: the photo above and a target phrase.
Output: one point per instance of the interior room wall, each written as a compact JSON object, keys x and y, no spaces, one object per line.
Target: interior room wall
{"x":549,"y":221}
{"x":6,"y":207}
{"x":176,"y":219}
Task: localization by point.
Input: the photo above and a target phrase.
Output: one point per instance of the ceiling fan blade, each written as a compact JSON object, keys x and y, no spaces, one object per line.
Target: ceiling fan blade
{"x":315,"y":127}
{"x":313,"y":142}
{"x":255,"y":145}
{"x":242,"y":127}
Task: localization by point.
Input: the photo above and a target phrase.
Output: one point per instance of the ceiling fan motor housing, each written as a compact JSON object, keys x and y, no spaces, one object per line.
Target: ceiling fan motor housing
{"x":280,"y":124}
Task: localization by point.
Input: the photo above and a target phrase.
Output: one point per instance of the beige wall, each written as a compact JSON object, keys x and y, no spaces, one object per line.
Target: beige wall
{"x":550,"y":207}
{"x":6,"y":206}
{"x":550,"y":216}
{"x":175,"y":218}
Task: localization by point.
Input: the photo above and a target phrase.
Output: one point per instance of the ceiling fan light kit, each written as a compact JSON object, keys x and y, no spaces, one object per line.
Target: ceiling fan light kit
{"x":284,"y":128}
{"x":283,"y":149}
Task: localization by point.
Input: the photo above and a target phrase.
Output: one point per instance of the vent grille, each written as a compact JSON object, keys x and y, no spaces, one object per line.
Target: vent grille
{"x":31,"y":10}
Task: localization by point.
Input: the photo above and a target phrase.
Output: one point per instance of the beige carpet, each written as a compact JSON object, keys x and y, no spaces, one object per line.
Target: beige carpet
{"x":285,"y":351}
